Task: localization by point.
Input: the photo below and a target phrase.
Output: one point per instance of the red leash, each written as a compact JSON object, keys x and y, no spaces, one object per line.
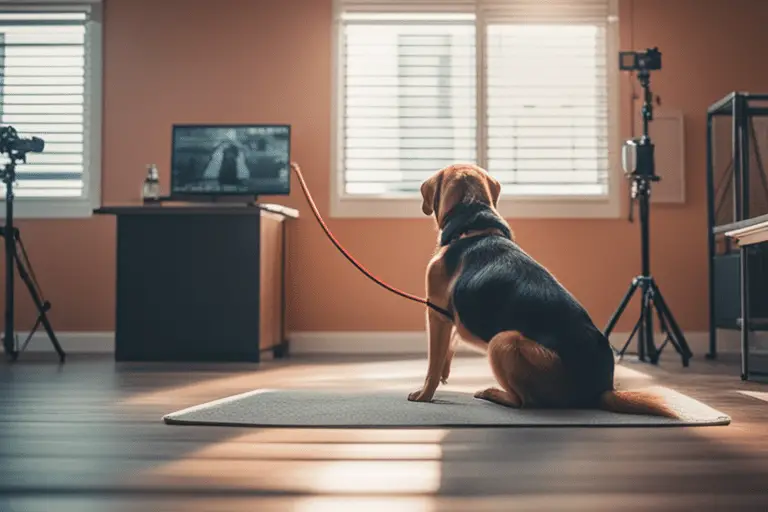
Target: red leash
{"x":343,"y":251}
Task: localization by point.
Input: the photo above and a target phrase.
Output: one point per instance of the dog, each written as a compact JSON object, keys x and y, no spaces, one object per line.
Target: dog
{"x":543,"y":348}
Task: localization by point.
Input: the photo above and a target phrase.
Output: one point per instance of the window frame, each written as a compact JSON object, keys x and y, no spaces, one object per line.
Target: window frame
{"x":83,"y":206}
{"x":522,"y":207}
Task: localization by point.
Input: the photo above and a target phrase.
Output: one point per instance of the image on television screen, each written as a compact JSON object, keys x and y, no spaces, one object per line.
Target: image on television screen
{"x":231,"y":160}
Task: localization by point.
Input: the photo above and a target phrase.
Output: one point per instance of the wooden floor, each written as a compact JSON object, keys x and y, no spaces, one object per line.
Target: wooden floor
{"x":88,"y":437}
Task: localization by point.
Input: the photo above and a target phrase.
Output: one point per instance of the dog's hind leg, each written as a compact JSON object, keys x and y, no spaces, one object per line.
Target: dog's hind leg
{"x":500,"y":396}
{"x":528,"y":373}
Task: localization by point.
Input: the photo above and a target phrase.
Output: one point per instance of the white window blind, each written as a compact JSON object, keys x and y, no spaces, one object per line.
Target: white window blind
{"x":409,"y":92}
{"x":547,"y":113}
{"x":518,"y":86}
{"x":44,"y":92}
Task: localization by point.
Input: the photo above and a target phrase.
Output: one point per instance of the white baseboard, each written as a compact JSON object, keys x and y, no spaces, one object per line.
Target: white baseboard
{"x":71,"y":341}
{"x":365,"y":342}
{"x":358,"y":342}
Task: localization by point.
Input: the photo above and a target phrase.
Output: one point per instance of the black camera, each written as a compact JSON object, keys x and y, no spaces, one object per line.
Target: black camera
{"x":12,"y":144}
{"x":649,"y":60}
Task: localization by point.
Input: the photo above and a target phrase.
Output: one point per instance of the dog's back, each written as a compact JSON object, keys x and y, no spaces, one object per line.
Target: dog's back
{"x":501,"y":288}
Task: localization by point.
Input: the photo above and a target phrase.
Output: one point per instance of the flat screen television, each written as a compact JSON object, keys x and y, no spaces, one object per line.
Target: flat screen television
{"x":231,"y":160}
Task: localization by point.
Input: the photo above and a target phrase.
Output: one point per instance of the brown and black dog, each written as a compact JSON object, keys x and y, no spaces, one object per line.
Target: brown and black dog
{"x":544,"y":350}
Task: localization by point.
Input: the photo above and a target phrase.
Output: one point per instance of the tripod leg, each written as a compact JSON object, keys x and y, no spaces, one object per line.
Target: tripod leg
{"x":669,"y":338}
{"x":631,"y":336}
{"x":648,"y":341}
{"x":41,"y":308}
{"x":617,"y":314}
{"x":30,"y":335}
{"x":664,"y":328}
{"x":660,"y":312}
{"x":644,"y":341}
{"x":676,"y":332}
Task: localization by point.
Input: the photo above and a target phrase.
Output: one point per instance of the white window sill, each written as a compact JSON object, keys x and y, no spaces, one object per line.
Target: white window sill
{"x":29,"y":208}
{"x":509,"y":207}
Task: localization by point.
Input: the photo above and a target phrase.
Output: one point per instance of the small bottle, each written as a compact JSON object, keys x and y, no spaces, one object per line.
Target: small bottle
{"x":151,"y":191}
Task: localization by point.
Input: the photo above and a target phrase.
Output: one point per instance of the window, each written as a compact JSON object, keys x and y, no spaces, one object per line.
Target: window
{"x":409,"y":103}
{"x":527,"y":90}
{"x":50,"y":81}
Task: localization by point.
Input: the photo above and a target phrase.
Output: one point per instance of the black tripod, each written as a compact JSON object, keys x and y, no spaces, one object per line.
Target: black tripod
{"x":12,"y":237}
{"x":643,"y":174}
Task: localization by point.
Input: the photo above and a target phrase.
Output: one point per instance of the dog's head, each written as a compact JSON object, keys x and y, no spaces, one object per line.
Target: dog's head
{"x":456,"y":184}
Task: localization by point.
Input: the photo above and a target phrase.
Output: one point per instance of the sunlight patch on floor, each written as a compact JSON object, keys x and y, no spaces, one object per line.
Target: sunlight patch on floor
{"x":297,"y":476}
{"x":405,"y":375}
{"x":217,"y":386}
{"x":760,"y":395}
{"x":468,"y":374}
{"x":369,"y":450}
{"x":625,"y":372}
{"x":331,"y":504}
{"x":384,"y":477}
{"x":326,"y":461}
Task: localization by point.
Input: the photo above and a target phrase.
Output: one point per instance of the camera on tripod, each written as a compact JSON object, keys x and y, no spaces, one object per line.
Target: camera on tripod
{"x":17,"y":147}
{"x":637,"y":155}
{"x":649,"y":60}
{"x":639,"y":166}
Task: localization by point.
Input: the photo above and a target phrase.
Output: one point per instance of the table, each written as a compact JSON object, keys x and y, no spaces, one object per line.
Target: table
{"x":747,"y":233}
{"x":200,"y":282}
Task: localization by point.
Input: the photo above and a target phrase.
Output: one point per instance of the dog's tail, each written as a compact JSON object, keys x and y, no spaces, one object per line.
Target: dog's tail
{"x":636,"y":402}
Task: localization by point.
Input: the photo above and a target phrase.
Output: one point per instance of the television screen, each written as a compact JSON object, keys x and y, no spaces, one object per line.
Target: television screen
{"x":231,"y":160}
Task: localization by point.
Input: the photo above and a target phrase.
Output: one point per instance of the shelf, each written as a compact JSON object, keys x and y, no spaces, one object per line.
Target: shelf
{"x":742,"y":224}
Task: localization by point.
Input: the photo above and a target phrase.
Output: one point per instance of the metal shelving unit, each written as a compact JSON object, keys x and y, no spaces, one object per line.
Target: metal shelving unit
{"x":743,"y":183}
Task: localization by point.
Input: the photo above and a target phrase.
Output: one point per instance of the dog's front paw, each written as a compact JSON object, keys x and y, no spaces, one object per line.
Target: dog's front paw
{"x":420,"y":396}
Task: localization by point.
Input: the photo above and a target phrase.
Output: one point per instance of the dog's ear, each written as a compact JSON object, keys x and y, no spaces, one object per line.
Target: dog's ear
{"x":495,"y":187}
{"x":428,"y":191}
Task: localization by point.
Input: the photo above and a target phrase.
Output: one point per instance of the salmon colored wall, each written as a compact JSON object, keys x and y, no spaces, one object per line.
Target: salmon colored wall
{"x":244,"y":60}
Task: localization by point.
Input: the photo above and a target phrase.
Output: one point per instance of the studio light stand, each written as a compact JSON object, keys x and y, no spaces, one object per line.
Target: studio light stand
{"x":639,"y":166}
{"x":17,"y":149}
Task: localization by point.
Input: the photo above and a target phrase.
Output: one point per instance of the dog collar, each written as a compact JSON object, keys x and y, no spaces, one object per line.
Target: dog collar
{"x":467,"y":217}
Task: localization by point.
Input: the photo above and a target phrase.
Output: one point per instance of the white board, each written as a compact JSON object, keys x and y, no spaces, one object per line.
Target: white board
{"x":667,"y":132}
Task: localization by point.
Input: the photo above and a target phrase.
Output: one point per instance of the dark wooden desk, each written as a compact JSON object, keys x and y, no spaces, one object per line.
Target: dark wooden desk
{"x":199,"y":282}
